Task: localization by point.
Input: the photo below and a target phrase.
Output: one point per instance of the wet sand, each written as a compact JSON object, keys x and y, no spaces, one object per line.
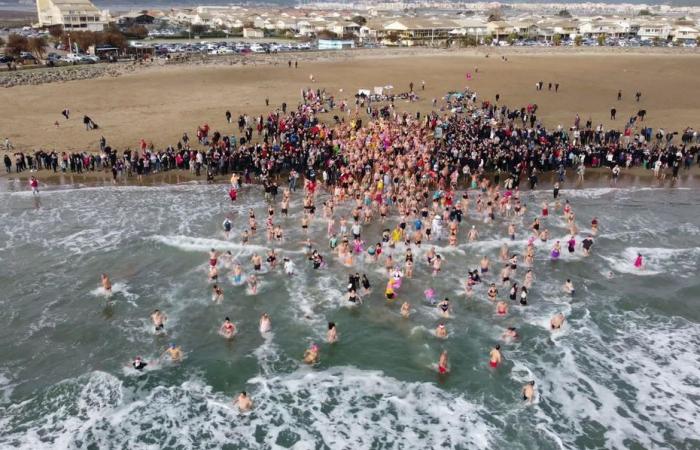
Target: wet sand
{"x":598,"y":177}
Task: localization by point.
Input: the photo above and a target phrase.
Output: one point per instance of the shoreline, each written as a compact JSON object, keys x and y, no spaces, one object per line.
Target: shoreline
{"x":635,"y":177}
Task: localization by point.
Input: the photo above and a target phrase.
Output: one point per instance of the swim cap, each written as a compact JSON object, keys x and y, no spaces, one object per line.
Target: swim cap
{"x":172,"y":345}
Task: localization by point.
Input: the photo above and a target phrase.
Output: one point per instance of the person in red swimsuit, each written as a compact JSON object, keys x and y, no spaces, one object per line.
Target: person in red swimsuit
{"x":442,"y":363}
{"x":496,"y":357}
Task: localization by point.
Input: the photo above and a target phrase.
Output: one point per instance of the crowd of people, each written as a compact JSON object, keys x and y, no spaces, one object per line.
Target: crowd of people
{"x":403,"y":171}
{"x":465,"y":135}
{"x":402,"y":174}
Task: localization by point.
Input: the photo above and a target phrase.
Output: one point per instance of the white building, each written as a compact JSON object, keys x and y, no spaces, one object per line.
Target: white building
{"x":76,"y":15}
{"x":252,"y":33}
{"x":651,"y":31}
{"x":684,"y":33}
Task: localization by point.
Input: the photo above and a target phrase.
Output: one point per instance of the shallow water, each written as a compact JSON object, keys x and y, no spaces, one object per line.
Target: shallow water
{"x":623,"y":373}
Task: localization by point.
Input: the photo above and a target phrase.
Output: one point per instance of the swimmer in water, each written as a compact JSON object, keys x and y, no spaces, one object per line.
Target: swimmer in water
{"x":288,"y":266}
{"x":501,"y":308}
{"x":495,"y":356}
{"x":492,"y":292}
{"x":217,"y":294}
{"x":158,"y":319}
{"x":366,"y":286}
{"x":556,"y":251}
{"x":444,"y":307}
{"x":568,"y":287}
{"x":443,"y":363}
{"x":557,"y":321}
{"x":175,"y":353}
{"x":510,"y":334}
{"x":429,"y":295}
{"x":312,"y":354}
{"x":227,"y":329}
{"x":244,"y":402}
{"x":265,"y":323}
{"x":639,"y":262}
{"x":257,"y":262}
{"x":587,"y":243}
{"x":227,"y":225}
{"x":213,"y":257}
{"x":529,"y":392}
{"x":484,"y":265}
{"x":213,"y":273}
{"x":332,"y":333}
{"x":441,"y":331}
{"x":405,"y":310}
{"x":253,"y":284}
{"x":138,"y":363}
{"x":106,"y":283}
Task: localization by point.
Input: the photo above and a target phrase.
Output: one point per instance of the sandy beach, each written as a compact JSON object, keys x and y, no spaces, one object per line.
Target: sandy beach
{"x":160,"y":103}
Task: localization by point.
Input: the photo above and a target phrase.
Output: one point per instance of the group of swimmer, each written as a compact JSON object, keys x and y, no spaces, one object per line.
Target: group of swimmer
{"x":421,"y":223}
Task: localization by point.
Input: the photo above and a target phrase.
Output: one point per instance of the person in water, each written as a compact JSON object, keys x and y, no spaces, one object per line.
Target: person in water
{"x":586,"y":244}
{"x":443,"y":363}
{"x":288,"y":266}
{"x":332,"y":333}
{"x":106,"y":283}
{"x":265,"y":323}
{"x":244,"y":402}
{"x":510,"y":334}
{"x":227,"y":225}
{"x":405,"y":310}
{"x":639,"y":262}
{"x":138,"y":363}
{"x":557,"y":321}
{"x":174,"y":352}
{"x":444,"y":307}
{"x":158,"y":319}
{"x":217,"y":294}
{"x":569,"y":287}
{"x":312,"y":354}
{"x":441,"y":331}
{"x":556,"y":251}
{"x":501,"y":308}
{"x":529,"y":392}
{"x":227,"y":329}
{"x":495,"y":356}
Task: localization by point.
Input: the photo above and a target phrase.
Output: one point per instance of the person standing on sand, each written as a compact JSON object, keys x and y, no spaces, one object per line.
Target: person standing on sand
{"x":613,"y":111}
{"x":228,"y":116}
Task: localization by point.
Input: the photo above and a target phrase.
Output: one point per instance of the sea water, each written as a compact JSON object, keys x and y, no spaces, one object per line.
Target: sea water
{"x":624,"y":372}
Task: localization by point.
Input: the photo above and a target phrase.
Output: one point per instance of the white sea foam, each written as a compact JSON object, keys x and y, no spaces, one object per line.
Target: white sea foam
{"x":342,"y":408}
{"x":643,"y":393}
{"x":676,"y":261}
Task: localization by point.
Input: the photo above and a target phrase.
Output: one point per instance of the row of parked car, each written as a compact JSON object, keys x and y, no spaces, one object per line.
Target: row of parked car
{"x":229,"y":48}
{"x":588,"y":42}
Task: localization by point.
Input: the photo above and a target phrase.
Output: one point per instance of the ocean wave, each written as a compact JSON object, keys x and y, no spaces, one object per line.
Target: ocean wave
{"x":340,"y":408}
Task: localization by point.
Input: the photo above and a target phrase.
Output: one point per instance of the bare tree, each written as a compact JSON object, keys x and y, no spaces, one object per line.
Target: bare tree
{"x":16,"y":44}
{"x":37,"y":45}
